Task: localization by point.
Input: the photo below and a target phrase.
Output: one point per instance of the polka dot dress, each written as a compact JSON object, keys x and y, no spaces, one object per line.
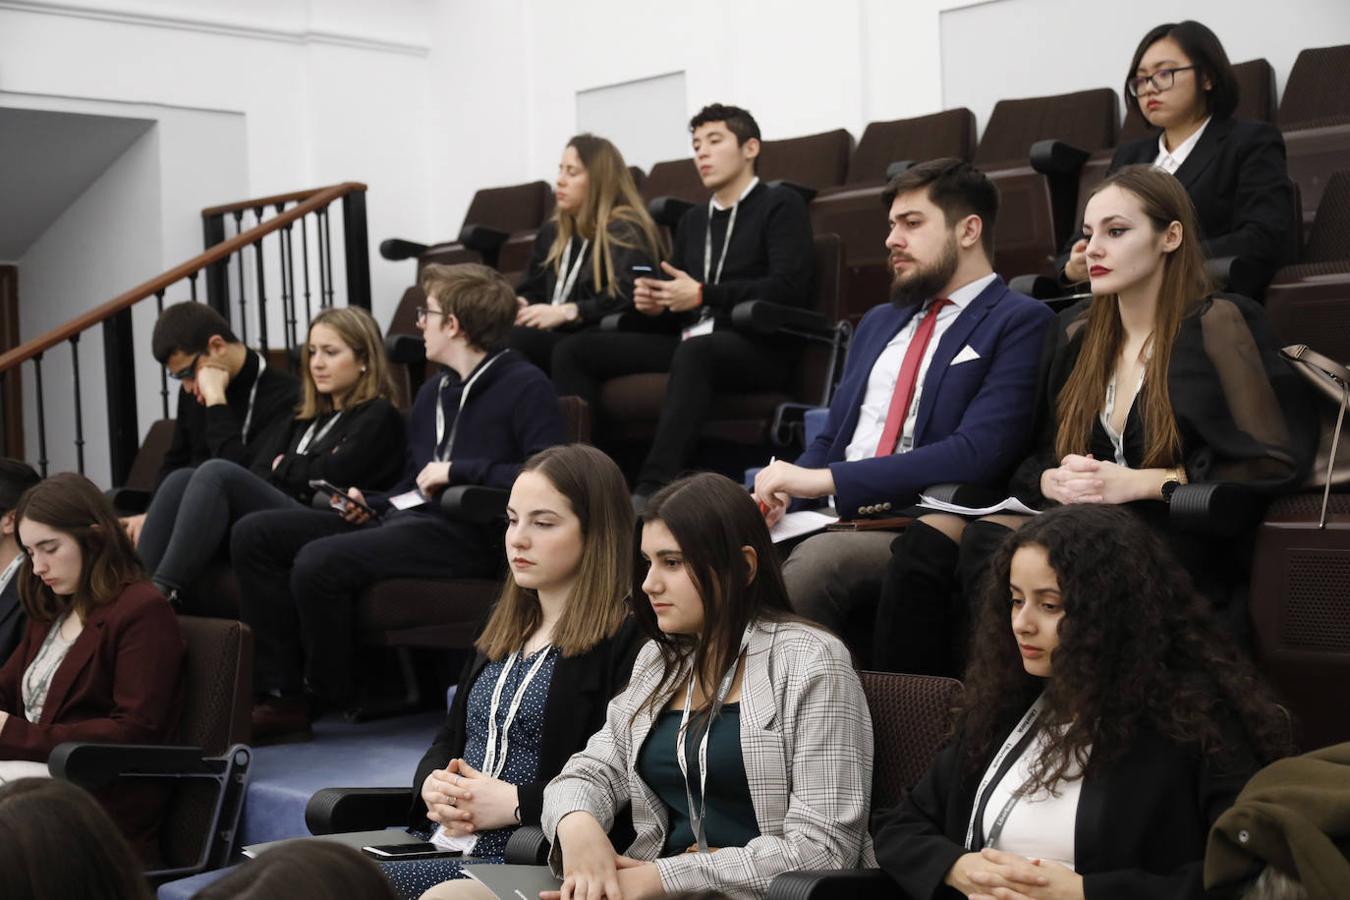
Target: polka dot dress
{"x":411,"y":877}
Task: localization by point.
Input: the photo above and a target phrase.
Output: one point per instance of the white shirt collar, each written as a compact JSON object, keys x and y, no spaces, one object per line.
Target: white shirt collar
{"x":9,"y":571}
{"x":745,"y":193}
{"x":1171,"y":160}
{"x":962,"y":296}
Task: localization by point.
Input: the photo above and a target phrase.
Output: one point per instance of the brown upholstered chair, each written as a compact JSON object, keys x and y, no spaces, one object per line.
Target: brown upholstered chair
{"x":134,"y":496}
{"x":674,"y":178}
{"x":205,"y":767}
{"x":495,"y":214}
{"x":1315,"y":118}
{"x":1309,"y":303}
{"x":815,"y":161}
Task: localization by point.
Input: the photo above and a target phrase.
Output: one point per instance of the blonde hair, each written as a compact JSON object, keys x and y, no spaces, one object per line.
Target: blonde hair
{"x":595,"y":489}
{"x":611,"y":195}
{"x":358,"y":330}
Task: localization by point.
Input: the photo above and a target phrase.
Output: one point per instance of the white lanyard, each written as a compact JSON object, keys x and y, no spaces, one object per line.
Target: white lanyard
{"x":567,"y":279}
{"x":696,"y":815}
{"x":310,"y":437}
{"x":441,"y":454}
{"x":10,"y":570}
{"x":493,"y":759}
{"x":1020,"y":735}
{"x":253,"y":396}
{"x":708,"y":276}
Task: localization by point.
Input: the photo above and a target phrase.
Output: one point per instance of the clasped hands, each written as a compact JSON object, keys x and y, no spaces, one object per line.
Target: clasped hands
{"x":465,"y":801}
{"x":1085,"y":479}
{"x":653,"y":296}
{"x":997,"y":875}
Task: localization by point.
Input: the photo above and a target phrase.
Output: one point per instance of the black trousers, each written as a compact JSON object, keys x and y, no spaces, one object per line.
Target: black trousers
{"x":300,"y":572}
{"x":722,"y":361}
{"x":537,"y":344}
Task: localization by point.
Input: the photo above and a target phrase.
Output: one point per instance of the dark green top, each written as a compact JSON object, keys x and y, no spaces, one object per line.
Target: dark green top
{"x":730,"y":814}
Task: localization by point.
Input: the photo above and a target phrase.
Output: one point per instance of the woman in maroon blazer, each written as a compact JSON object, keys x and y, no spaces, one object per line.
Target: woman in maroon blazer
{"x":102,"y":654}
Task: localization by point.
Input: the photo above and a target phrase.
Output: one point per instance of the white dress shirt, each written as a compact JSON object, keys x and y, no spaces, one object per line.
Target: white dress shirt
{"x":886,"y":371}
{"x":1041,"y":825}
{"x":1170,"y":160}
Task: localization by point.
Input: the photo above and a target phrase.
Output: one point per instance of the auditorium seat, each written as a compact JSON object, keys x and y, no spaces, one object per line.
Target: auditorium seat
{"x":855,"y":212}
{"x":1309,"y":303}
{"x":494,"y":216}
{"x":815,"y":161}
{"x":1037,"y":210}
{"x":1315,"y":118}
{"x":674,"y":178}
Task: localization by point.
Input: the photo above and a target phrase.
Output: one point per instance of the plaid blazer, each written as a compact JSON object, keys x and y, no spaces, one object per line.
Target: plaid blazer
{"x":806,"y":741}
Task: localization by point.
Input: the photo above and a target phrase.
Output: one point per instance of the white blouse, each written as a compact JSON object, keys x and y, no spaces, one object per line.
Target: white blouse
{"x":37,"y":678}
{"x":1040,"y":826}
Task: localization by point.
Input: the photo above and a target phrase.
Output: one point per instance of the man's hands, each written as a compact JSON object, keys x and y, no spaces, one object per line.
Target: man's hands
{"x":466,"y":801}
{"x":211,"y":380}
{"x":133,"y":525}
{"x":350,"y":511}
{"x":433,"y":477}
{"x":653,"y":296}
{"x":779,"y":482}
{"x":545,"y":316}
{"x":996,"y":875}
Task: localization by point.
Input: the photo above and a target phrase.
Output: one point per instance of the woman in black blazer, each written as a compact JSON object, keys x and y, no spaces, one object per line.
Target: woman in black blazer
{"x":557,"y":647}
{"x":1099,"y":737}
{"x":1181,"y":82}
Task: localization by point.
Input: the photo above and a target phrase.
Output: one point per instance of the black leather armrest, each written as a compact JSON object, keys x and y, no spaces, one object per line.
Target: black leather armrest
{"x":483,"y":239}
{"x":632,"y":321}
{"x":1042,"y":287}
{"x":337,"y":810}
{"x":834,"y":884}
{"x":94,"y":765}
{"x":405,"y":349}
{"x":1219,"y":509}
{"x":129,"y":501}
{"x":397,"y":248}
{"x":806,"y":193}
{"x":527,"y":847}
{"x":1221,"y":270}
{"x":474,"y":503}
{"x":763,"y":317}
{"x":668,"y":211}
{"x":899,"y":167}
{"x":1053,"y":157}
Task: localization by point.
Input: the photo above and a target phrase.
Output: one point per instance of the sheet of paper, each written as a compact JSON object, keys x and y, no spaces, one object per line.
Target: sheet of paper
{"x":408,"y":500}
{"x":1012,"y":505}
{"x":798,"y":523}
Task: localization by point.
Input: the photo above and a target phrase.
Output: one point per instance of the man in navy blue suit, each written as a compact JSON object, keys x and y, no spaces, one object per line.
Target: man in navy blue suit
{"x":939,"y":387}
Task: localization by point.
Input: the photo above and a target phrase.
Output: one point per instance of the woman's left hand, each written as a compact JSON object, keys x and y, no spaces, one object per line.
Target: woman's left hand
{"x":489,"y":802}
{"x":638,"y":879}
{"x":545,"y":315}
{"x":1013,"y":877}
{"x":1120,"y":484}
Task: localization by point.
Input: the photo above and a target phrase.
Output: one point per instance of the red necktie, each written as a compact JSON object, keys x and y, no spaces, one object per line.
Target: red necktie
{"x":909,"y":379}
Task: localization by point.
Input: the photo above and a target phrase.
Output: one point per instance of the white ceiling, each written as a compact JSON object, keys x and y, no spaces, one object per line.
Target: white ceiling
{"x":47,"y":160}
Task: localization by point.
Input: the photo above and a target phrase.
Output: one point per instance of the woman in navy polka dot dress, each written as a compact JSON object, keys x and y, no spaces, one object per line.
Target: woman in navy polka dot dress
{"x":558,"y":645}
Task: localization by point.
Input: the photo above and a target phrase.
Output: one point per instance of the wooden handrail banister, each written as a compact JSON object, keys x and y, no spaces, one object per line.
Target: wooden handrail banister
{"x":273,"y":200}
{"x":317,"y":200}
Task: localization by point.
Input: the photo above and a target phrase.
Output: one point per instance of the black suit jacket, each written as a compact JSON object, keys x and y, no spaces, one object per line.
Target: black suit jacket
{"x":1140,"y":831}
{"x":1239,"y":182}
{"x":578,"y":697}
{"x":12,"y":618}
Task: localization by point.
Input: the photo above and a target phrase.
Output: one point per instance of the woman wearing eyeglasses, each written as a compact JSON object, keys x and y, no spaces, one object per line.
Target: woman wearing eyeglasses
{"x":1181,"y":82}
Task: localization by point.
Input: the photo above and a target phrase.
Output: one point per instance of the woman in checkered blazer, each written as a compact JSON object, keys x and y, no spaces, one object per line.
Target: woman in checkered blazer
{"x":760,"y":762}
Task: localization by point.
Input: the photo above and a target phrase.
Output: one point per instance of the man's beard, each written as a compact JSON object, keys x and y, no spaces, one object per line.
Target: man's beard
{"x":924,"y":282}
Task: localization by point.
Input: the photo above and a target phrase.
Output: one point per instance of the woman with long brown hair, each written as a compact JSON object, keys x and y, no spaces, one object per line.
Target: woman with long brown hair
{"x":101,"y":655}
{"x":582,"y":265}
{"x":1106,"y":723}
{"x":1154,"y":382}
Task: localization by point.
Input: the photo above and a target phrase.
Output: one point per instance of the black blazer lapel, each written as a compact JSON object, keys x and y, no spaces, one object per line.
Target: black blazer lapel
{"x":1205,"y":151}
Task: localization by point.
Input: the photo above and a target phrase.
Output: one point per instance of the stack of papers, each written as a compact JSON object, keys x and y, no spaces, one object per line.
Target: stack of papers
{"x":797,"y":524}
{"x":1012,"y":505}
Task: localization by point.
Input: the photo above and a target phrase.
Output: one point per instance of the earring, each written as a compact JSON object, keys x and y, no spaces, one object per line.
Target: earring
{"x":363,"y":370}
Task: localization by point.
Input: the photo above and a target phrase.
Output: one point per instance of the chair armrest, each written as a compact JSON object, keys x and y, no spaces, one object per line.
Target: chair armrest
{"x":789,"y":423}
{"x":1042,"y":287}
{"x":636,"y":322}
{"x":94,"y":765}
{"x":1057,"y":158}
{"x":396,"y":249}
{"x":806,"y":193}
{"x":1221,"y":269}
{"x":474,"y":503}
{"x":668,"y":211}
{"x":763,"y":317}
{"x":405,"y":349}
{"x":129,"y":501}
{"x":971,"y":495}
{"x":834,"y":884}
{"x":1218,"y":509}
{"x":899,"y":167}
{"x":527,"y":847}
{"x":338,"y":810}
{"x":483,"y":239}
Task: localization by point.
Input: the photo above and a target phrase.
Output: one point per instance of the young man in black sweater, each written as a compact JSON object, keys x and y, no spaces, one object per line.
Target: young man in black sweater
{"x":751,"y":242}
{"x":229,"y":397}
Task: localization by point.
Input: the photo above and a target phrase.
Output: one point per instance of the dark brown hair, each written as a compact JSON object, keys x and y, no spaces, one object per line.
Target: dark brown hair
{"x":1184,"y":286}
{"x":712,"y":518}
{"x":1138,"y":646}
{"x":955,"y":187}
{"x":71,"y":504}
{"x":595,"y":490}
{"x":480,"y":298}
{"x":16,"y":476}
{"x":1206,"y":53}
{"x":56,"y":841}
{"x":303,"y":869}
{"x":187,"y":328}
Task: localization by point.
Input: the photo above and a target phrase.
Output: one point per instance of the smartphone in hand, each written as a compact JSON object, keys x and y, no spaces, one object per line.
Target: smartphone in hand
{"x":337,"y":493}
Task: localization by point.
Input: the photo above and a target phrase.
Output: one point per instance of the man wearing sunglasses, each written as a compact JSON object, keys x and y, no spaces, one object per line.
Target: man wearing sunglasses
{"x":228,"y":395}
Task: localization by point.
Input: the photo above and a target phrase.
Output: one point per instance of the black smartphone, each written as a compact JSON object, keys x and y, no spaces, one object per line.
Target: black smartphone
{"x":409,"y":851}
{"x":332,"y":490}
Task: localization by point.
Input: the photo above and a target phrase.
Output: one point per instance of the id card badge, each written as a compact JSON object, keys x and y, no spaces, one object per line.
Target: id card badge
{"x":409,"y":500}
{"x":701,"y":327}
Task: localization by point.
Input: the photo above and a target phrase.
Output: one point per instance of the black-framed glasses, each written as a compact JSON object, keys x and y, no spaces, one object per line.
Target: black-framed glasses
{"x":1162,"y":80}
{"x":424,"y":311}
{"x":187,"y":371}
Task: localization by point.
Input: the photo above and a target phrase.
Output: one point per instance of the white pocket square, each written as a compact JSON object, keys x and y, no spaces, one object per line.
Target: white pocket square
{"x":965,"y":355}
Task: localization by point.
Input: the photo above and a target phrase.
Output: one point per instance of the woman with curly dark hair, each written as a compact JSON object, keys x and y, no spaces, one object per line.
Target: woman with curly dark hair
{"x":1099,"y":738}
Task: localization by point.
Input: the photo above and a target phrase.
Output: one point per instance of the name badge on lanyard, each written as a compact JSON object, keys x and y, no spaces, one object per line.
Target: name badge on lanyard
{"x":1017,"y":741}
{"x":567,"y":279}
{"x":443,"y":444}
{"x":310,"y":437}
{"x":697,"y":814}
